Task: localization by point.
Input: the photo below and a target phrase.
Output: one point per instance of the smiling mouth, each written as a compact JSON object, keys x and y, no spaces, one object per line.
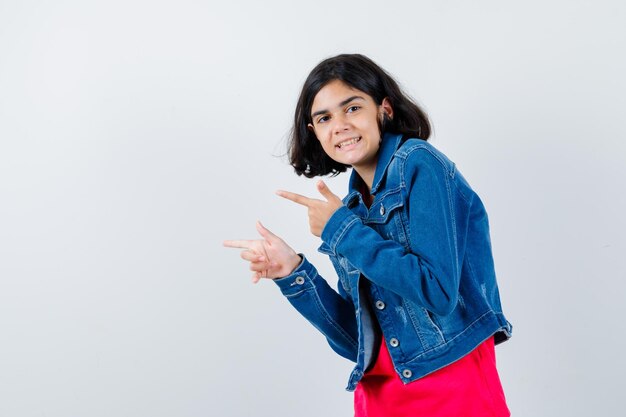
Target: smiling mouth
{"x":348,"y":142}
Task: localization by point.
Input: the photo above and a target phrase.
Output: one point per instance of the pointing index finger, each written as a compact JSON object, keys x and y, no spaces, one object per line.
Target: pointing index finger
{"x":296,"y":198}
{"x":242,"y":244}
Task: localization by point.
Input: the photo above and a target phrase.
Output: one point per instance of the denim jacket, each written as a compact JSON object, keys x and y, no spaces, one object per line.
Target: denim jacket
{"x":416,"y":265}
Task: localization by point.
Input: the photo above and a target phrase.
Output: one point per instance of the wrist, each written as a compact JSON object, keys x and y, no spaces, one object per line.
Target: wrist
{"x":296,"y":261}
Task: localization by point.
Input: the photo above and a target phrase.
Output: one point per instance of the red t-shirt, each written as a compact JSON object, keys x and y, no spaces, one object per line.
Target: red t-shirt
{"x":468,"y":387}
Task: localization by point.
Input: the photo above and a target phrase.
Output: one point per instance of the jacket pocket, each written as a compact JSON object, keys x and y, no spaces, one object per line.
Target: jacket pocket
{"x":429,"y":334}
{"x":386,"y":216}
{"x":383,"y":208}
{"x":347,"y":273}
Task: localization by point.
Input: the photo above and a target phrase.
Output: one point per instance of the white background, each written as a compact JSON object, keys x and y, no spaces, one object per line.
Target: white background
{"x":137,"y":135}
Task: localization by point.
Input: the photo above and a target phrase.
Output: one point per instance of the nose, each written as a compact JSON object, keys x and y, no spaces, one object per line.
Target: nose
{"x":341,"y":124}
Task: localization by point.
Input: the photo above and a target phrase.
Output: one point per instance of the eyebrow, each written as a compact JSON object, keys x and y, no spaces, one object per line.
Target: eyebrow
{"x":343,"y":103}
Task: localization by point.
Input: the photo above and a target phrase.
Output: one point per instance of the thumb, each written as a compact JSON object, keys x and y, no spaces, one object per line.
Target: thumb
{"x":267,"y":235}
{"x":325,"y":191}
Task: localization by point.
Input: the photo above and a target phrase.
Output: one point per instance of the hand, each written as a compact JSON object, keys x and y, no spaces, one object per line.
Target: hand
{"x":319,"y":211}
{"x":269,"y":257}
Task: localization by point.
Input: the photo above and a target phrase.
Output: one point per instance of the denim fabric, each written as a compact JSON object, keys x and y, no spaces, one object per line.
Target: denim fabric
{"x":424,"y":249}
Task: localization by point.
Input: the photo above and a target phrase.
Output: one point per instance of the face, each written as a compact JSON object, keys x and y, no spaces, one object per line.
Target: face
{"x":346,"y":122}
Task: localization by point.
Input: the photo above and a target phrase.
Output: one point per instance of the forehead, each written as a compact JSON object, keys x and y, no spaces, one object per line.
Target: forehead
{"x":333,"y":94}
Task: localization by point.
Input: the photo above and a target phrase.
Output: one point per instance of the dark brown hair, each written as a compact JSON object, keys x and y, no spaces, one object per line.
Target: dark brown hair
{"x":357,"y":71}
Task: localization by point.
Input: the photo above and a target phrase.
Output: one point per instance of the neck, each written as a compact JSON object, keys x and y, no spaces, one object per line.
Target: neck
{"x":367,"y":175}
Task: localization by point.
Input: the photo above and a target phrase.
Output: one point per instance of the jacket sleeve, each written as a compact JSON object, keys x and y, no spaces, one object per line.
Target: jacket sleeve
{"x":429,"y":273}
{"x":331,"y":313}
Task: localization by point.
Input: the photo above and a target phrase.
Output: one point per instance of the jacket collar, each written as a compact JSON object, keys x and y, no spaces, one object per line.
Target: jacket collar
{"x":388,"y":147}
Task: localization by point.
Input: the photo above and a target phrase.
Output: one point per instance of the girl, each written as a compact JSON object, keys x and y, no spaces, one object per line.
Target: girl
{"x":417,"y":307}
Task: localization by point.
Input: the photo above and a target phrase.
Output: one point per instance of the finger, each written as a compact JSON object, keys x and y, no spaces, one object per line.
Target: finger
{"x":259,"y":266}
{"x":252,"y":256}
{"x":242,"y":244}
{"x":256,"y":277}
{"x":263,"y":231}
{"x":296,"y":198}
{"x":325,"y":191}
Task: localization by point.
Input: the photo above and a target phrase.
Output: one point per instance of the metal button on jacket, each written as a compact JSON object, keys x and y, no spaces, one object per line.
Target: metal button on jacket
{"x":407,"y":373}
{"x":380,"y":305}
{"x":300,"y":280}
{"x":382,"y":209}
{"x":394,"y":342}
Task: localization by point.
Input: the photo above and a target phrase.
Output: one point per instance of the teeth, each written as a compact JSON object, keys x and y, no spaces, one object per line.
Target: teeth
{"x":348,"y":142}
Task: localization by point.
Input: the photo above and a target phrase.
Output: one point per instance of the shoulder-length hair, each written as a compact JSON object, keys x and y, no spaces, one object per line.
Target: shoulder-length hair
{"x":357,"y":71}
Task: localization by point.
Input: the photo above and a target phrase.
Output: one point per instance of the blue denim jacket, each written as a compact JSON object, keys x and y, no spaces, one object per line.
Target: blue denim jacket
{"x":417,"y":265}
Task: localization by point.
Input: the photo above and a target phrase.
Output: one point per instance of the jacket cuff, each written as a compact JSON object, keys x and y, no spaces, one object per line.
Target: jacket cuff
{"x":337,"y":226}
{"x":299,"y":280}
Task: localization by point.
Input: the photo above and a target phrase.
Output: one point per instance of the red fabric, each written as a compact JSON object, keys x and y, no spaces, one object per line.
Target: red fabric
{"x":468,"y":387}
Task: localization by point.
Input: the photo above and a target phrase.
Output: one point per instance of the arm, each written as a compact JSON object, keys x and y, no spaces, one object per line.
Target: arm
{"x":429,"y":274}
{"x":331,"y":313}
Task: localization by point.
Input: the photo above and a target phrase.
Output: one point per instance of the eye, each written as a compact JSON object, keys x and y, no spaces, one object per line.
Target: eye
{"x":352,"y":109}
{"x":323,"y":119}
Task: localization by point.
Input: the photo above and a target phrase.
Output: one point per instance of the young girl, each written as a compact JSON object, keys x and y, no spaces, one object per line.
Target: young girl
{"x":418,"y":307}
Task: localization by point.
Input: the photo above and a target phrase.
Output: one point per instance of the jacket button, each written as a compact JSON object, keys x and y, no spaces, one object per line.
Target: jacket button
{"x":299,"y":280}
{"x":380,"y":305}
{"x":394,"y":342}
{"x":382,"y":210}
{"x":407,"y":373}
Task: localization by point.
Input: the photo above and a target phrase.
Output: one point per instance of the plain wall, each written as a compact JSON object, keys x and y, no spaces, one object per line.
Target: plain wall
{"x":137,"y":135}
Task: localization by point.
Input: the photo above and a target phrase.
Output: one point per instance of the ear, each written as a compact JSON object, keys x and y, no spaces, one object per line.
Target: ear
{"x":386,"y":107}
{"x":312,"y":130}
